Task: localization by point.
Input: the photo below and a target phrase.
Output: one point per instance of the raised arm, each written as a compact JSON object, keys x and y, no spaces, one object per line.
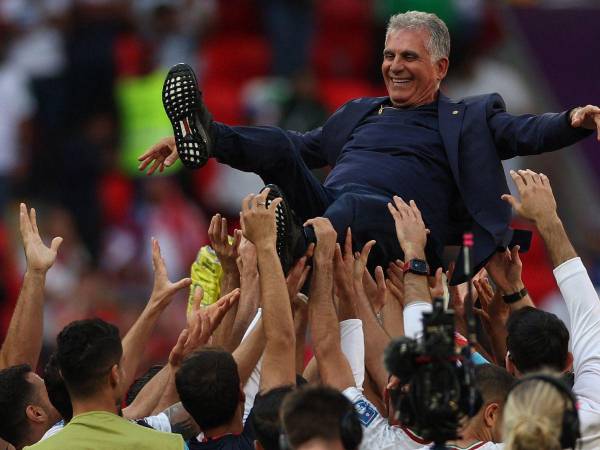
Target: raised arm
{"x":258,"y":226}
{"x":538,"y":205}
{"x":136,"y":339}
{"x":533,"y":134}
{"x":23,"y":341}
{"x":323,"y":321}
{"x":412,"y":236}
{"x":505,"y":269}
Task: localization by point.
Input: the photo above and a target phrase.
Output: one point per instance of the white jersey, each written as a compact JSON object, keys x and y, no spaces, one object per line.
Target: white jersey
{"x":378,"y":434}
{"x":583,"y":306}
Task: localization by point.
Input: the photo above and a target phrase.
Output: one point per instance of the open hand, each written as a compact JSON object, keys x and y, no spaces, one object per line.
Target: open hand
{"x":258,"y":220}
{"x":586,"y":117}
{"x":163,"y":289}
{"x":219,"y":241}
{"x":326,"y":239}
{"x":505,"y":269}
{"x":160,"y":155}
{"x":410,"y":228}
{"x":537,"y":200}
{"x":39,"y":257}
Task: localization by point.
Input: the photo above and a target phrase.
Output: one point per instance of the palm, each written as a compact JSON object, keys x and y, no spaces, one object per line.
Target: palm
{"x":39,"y":257}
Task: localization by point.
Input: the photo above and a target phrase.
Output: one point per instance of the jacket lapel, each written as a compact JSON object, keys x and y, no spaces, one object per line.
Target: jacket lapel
{"x":450,"y":117}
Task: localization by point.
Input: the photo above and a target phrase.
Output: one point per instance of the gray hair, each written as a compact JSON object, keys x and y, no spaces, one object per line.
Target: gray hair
{"x":439,"y":37}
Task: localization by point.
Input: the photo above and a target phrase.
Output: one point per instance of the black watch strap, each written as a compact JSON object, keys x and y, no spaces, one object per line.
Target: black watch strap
{"x":513,"y":298}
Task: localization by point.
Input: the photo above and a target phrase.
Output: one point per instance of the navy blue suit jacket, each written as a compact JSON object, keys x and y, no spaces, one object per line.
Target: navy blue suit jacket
{"x":477,"y":133}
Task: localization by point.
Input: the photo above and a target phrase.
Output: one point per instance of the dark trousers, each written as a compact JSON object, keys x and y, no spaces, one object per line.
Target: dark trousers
{"x":359,"y":207}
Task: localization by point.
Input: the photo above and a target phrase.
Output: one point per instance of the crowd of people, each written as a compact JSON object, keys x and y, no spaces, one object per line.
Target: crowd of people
{"x":236,"y":378}
{"x":362,"y":273}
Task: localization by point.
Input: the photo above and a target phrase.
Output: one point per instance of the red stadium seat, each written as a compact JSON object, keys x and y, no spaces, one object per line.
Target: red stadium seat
{"x":222,"y":98}
{"x":238,"y":16}
{"x":236,"y":58}
{"x":335,"y":92}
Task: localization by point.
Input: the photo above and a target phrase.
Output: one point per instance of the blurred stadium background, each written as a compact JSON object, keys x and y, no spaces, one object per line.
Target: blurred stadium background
{"x":80,"y":84}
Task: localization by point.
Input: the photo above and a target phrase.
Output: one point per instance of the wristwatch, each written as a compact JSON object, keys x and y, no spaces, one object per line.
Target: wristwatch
{"x":416,"y":266}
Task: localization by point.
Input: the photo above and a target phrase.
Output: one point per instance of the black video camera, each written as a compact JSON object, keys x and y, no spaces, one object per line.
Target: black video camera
{"x":437,"y":386}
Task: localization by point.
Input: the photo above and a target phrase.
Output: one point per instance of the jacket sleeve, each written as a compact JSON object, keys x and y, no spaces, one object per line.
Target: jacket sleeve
{"x":529,"y":134}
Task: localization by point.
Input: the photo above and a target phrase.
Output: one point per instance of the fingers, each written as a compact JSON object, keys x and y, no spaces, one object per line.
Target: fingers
{"x":518,"y":180}
{"x":513,"y":202}
{"x":310,"y":251}
{"x":224,"y":237}
{"x":415,"y":210}
{"x":33,"y":219}
{"x":170,"y":160}
{"x":348,"y":242}
{"x":24,"y":222}
{"x":364,"y":254}
{"x":181,"y":284}
{"x":55,"y":244}
{"x":156,"y":148}
{"x":514,"y":255}
{"x":154,"y":166}
{"x":197,"y":299}
{"x":379,"y":278}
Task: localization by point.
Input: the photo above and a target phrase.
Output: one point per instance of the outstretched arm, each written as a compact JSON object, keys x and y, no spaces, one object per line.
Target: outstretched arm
{"x":530,"y":134}
{"x":538,"y":205}
{"x":258,"y":226}
{"x":323,"y":321}
{"x":23,"y":341}
{"x":137,"y":337}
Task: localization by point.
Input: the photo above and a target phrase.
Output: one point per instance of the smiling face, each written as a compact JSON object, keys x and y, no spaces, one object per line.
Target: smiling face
{"x":411,"y":77}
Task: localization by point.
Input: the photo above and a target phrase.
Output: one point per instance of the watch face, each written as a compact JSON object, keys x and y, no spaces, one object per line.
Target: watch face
{"x":418,"y":265}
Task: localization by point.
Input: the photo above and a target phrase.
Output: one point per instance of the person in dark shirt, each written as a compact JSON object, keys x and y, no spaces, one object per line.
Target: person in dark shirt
{"x":415,"y":143}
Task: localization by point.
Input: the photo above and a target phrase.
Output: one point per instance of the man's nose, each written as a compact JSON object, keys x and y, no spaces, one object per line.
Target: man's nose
{"x":397,"y":65}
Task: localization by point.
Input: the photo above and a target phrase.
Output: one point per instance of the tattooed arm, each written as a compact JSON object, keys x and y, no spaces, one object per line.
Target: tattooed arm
{"x":181,"y":421}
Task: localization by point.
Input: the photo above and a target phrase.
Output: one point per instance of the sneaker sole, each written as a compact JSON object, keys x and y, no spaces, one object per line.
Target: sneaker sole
{"x":181,"y":100}
{"x":283,"y":220}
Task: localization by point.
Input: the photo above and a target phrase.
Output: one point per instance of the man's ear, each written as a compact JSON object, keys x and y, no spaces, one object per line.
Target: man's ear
{"x":114,"y":376}
{"x":569,"y":364}
{"x":36,"y":414}
{"x":510,"y":366}
{"x":491,"y":414}
{"x":442,"y":65}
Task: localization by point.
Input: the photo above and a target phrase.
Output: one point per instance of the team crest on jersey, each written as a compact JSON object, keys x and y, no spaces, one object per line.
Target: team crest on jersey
{"x":366,"y":412}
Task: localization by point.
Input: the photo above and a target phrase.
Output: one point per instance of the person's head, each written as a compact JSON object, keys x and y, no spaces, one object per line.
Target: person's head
{"x":266,"y":419}
{"x":319,"y":417}
{"x":494,"y":383}
{"x":57,"y":390}
{"x":209,"y":387}
{"x":25,"y":410}
{"x":139,"y":383}
{"x":89,"y":358}
{"x":536,"y":340}
{"x":540,"y":414}
{"x":415,"y":57}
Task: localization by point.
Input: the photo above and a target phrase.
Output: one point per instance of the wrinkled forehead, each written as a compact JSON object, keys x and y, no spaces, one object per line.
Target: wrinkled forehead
{"x":414,"y":38}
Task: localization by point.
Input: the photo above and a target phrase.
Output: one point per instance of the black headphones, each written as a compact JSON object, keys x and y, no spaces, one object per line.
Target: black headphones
{"x":570,"y":431}
{"x":350,"y":433}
